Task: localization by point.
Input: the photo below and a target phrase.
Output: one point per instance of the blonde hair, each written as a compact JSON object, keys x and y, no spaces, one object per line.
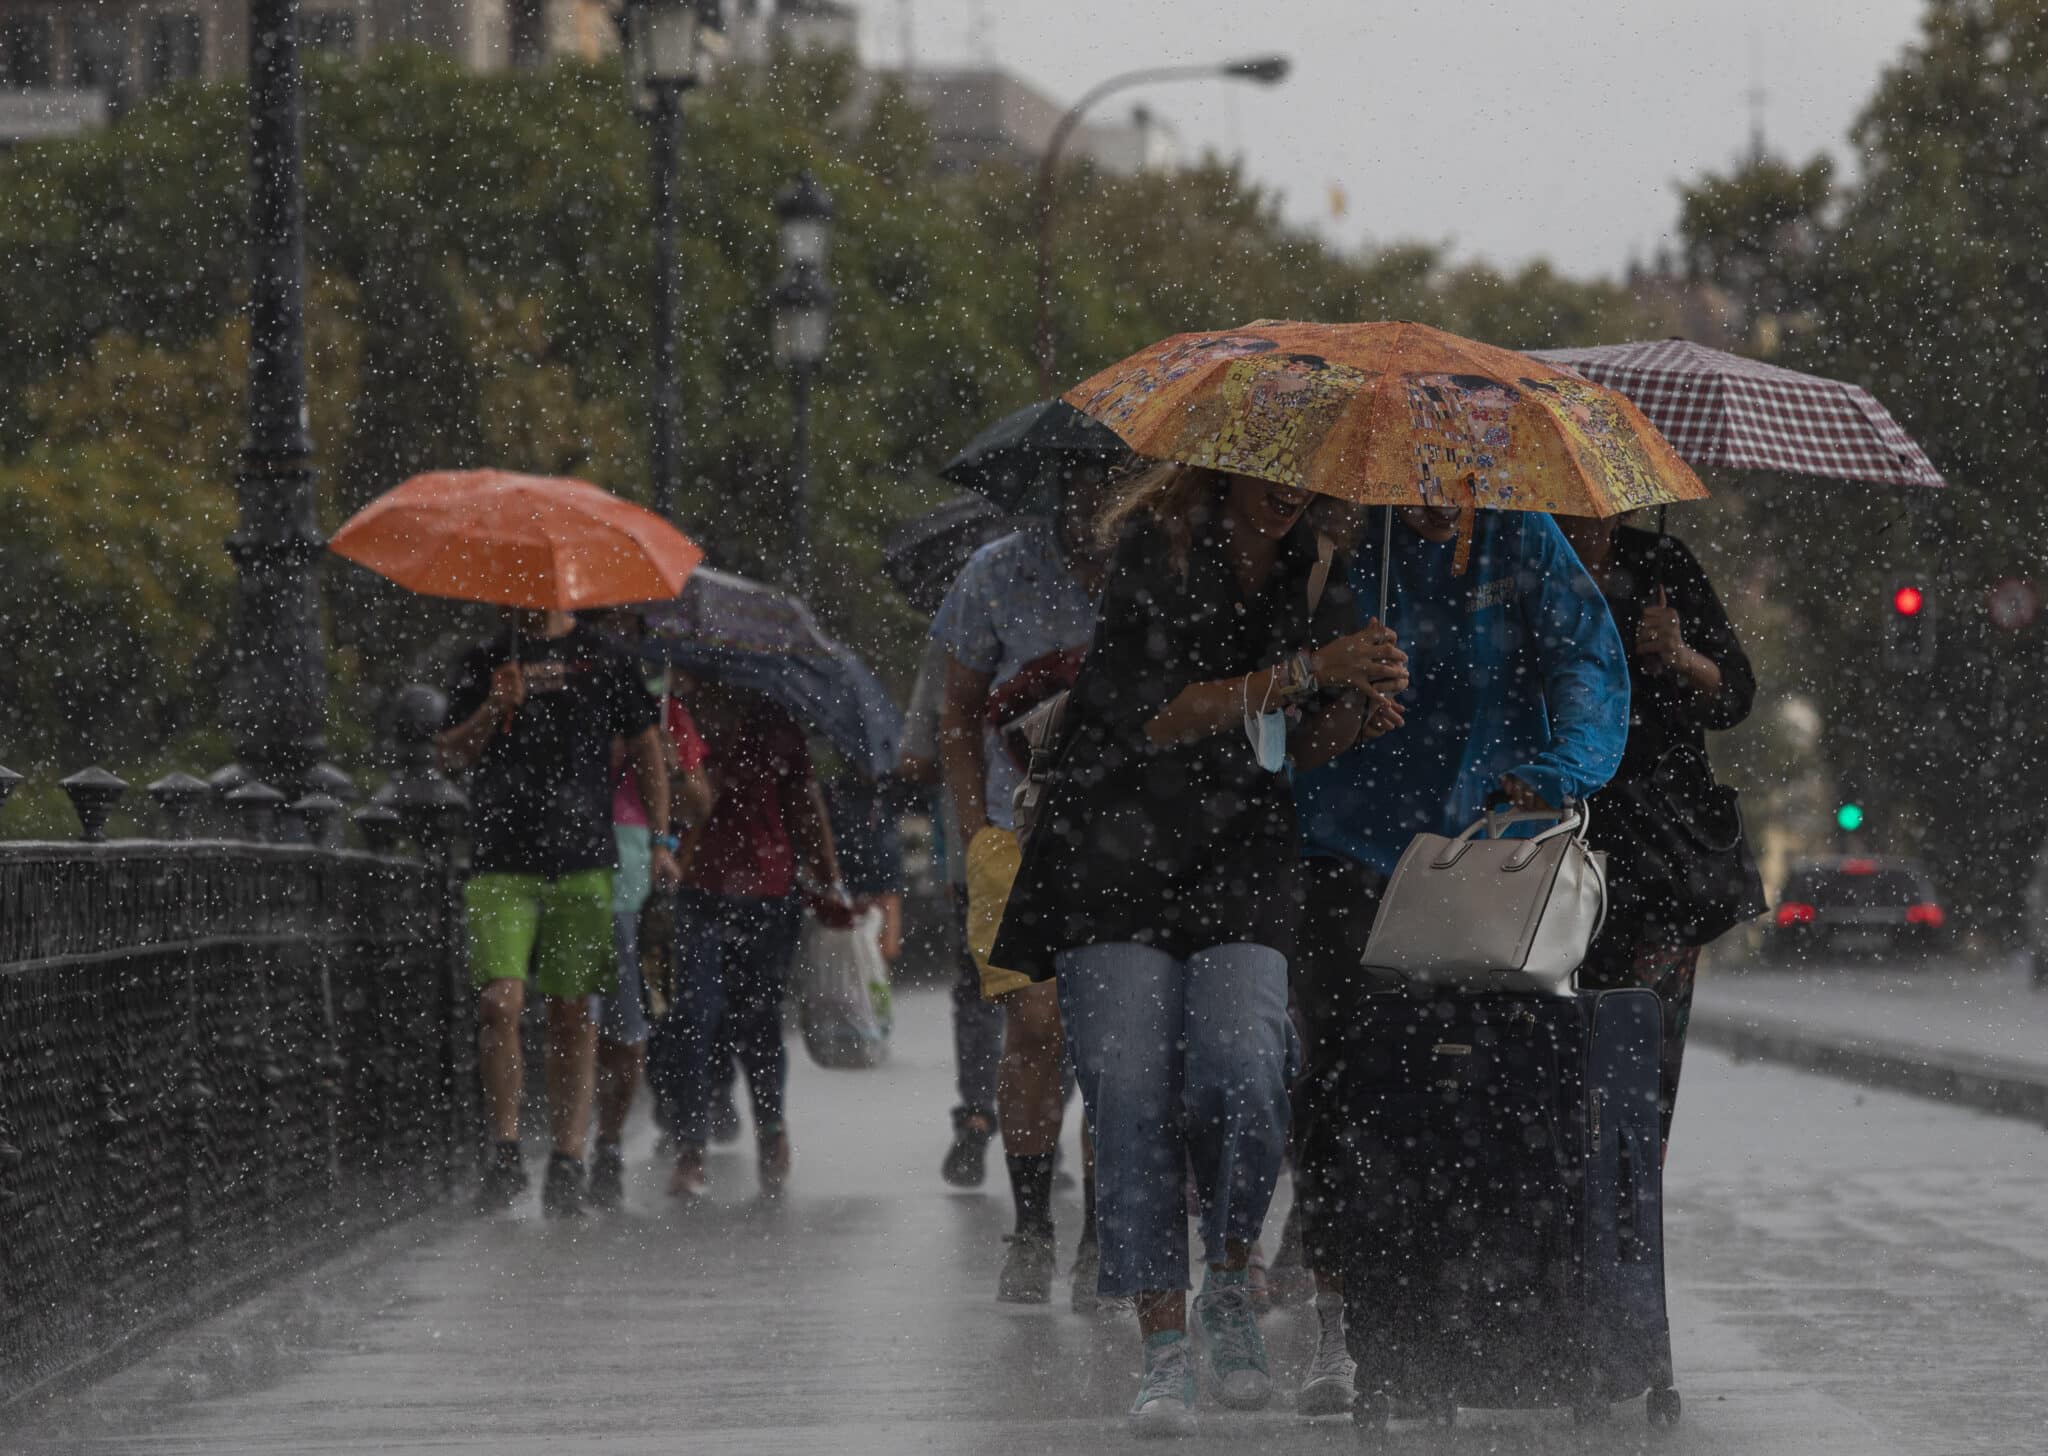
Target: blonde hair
{"x":1170,"y":493}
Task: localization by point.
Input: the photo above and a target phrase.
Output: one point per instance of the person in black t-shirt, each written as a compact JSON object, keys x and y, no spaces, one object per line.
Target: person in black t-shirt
{"x":534,"y":714}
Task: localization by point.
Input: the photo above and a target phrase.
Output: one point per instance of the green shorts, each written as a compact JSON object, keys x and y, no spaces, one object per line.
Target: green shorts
{"x":563,"y":928}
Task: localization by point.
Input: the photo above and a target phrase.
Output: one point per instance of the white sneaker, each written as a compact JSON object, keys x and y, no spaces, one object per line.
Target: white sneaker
{"x":1166,"y":1397}
{"x":1332,"y":1374}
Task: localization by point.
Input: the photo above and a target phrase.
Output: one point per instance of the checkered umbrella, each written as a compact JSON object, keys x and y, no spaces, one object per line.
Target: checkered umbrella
{"x":1718,"y":408}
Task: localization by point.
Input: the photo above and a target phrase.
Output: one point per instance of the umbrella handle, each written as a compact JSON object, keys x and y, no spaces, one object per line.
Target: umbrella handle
{"x":1386,"y":563}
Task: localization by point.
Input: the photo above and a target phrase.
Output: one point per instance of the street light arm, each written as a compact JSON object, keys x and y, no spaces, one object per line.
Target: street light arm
{"x":1071,"y":118}
{"x":1263,"y":72}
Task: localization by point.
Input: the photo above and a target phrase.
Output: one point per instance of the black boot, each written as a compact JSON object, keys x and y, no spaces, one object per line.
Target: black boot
{"x":561,"y":1195}
{"x":607,"y":1175}
{"x":504,"y":1179}
{"x":966,"y":1164}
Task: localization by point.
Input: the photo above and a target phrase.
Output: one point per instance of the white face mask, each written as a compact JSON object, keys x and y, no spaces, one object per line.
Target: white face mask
{"x":1266,"y":731}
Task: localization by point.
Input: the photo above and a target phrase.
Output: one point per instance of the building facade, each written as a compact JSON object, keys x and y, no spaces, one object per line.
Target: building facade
{"x":70,"y":64}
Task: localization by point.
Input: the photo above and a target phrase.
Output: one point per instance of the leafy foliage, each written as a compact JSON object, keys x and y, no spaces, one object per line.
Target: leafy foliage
{"x":481,"y":269}
{"x":1925,"y":283}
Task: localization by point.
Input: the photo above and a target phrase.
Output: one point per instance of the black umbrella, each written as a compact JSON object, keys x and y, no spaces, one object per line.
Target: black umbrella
{"x":922,"y":556}
{"x":745,"y":635}
{"x":1010,"y":460}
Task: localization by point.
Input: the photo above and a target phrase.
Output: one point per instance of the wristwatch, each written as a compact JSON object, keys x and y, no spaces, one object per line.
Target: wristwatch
{"x":670,"y":842}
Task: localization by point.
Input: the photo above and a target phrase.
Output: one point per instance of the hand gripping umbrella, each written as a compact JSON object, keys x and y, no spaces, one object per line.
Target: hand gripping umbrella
{"x":1389,"y":414}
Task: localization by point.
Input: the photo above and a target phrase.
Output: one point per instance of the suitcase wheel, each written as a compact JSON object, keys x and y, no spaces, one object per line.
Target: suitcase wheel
{"x":1662,"y":1408}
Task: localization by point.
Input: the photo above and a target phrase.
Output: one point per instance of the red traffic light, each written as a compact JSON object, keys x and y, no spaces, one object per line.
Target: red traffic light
{"x":1907,"y":601}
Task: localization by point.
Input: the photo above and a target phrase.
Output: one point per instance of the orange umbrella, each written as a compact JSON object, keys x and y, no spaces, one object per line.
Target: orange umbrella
{"x":543,"y":542}
{"x":1389,"y":414}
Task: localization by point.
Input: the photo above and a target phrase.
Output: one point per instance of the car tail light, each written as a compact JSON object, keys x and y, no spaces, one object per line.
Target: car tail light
{"x":1928,"y":915}
{"x":1793,"y":913}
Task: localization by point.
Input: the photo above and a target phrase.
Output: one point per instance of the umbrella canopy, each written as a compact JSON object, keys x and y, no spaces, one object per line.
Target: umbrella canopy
{"x":1008,"y":461}
{"x":1718,"y":408}
{"x":756,"y":639}
{"x":1389,"y":414}
{"x":546,"y":543}
{"x":924,"y":555}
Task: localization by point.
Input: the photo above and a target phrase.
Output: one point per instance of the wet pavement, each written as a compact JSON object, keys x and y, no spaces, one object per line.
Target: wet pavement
{"x":1852,"y":1272}
{"x":1974,"y":1011}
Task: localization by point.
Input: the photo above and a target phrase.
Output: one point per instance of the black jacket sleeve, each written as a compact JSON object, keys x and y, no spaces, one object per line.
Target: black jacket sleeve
{"x":1707,"y":631}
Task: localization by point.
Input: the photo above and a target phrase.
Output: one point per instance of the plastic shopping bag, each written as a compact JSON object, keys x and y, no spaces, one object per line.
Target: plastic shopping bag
{"x":843,"y":993}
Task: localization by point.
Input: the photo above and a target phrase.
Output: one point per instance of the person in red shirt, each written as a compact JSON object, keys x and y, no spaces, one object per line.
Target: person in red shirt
{"x":737,"y":917}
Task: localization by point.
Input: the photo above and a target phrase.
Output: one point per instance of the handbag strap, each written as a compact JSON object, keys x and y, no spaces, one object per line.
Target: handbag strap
{"x":1319,"y":574}
{"x":1575,"y":819}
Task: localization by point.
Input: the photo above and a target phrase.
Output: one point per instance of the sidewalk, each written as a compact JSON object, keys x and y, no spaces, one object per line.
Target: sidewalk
{"x":1972,"y":1034}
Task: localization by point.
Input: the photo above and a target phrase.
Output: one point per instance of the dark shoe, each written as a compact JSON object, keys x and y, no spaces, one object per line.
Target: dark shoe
{"x":1028,"y":1268}
{"x":966,"y":1164}
{"x":561,"y":1195}
{"x":774,"y":1163}
{"x":688,"y":1182}
{"x":504,"y":1180}
{"x":724,"y":1117}
{"x":607,"y":1176}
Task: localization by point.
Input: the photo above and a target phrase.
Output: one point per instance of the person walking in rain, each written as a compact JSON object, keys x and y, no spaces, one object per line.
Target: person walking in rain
{"x":621,"y":1017}
{"x":1161,"y":887}
{"x":1520,"y":691}
{"x":738,"y":916}
{"x":1687,"y":674}
{"x":1024,"y":599}
{"x":977,"y":1020}
{"x":536,"y":712}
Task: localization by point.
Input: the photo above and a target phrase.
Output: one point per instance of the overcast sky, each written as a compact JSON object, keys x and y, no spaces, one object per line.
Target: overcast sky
{"x":1510,"y":129}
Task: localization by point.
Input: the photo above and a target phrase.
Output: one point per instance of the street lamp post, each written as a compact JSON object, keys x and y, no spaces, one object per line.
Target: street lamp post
{"x":1262,"y":70}
{"x":803,"y":323}
{"x":664,"y":42}
{"x":276,"y":707}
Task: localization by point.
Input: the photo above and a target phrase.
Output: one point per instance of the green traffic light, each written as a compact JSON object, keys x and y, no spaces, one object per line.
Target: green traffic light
{"x":1849,"y":818}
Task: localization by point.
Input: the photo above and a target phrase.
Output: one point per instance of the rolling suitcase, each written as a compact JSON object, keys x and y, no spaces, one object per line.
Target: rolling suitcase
{"x":1500,"y":1199}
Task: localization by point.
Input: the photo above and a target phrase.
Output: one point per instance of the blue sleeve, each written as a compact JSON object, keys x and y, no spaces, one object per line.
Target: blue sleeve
{"x":965,"y":625}
{"x":1585,"y":670}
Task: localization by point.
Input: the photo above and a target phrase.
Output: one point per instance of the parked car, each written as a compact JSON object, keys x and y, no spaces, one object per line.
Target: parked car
{"x":1857,"y":905}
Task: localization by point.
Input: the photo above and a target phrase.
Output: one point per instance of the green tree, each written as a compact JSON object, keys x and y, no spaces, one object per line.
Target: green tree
{"x":481,"y":265}
{"x":1925,"y":282}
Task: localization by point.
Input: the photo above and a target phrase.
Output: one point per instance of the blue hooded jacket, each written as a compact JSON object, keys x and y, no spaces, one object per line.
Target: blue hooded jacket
{"x":1515,"y":667}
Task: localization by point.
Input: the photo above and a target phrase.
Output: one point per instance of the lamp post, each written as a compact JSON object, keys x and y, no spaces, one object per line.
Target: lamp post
{"x":665,"y":49}
{"x":803,"y":323}
{"x":276,"y":702}
{"x":1261,"y":70}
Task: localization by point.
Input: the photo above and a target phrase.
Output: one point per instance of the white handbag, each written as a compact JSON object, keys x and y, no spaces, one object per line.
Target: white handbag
{"x":1491,"y":913}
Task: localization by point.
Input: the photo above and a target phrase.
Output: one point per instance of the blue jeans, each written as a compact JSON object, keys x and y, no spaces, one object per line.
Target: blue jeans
{"x":1182,"y":1065}
{"x":732,"y":960}
{"x":621,"y":1017}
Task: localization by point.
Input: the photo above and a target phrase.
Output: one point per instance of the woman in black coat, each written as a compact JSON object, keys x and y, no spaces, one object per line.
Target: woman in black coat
{"x":1161,"y":885}
{"x":1687,"y":674}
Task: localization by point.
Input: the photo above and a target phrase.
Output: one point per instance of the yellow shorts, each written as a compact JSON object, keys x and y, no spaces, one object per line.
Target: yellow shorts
{"x":993,"y":860}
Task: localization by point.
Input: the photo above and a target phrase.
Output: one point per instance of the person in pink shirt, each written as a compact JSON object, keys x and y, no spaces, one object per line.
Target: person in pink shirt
{"x":621,"y":1017}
